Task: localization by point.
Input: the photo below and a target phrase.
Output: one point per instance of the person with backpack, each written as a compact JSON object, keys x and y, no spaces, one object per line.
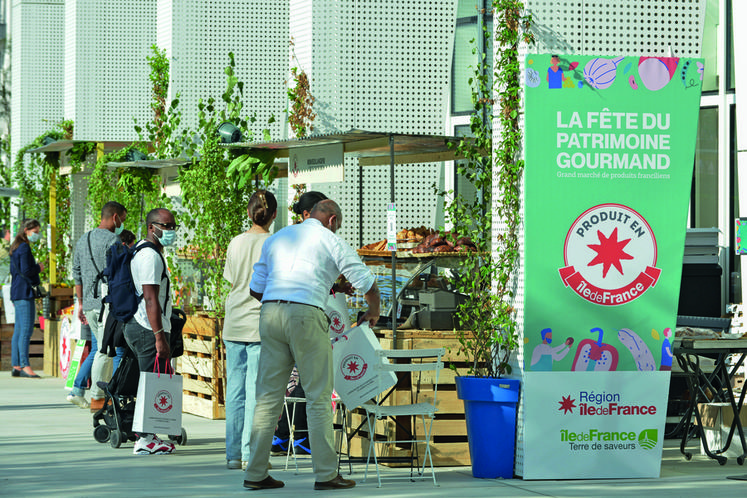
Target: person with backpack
{"x":147,"y":331}
{"x":89,"y":260}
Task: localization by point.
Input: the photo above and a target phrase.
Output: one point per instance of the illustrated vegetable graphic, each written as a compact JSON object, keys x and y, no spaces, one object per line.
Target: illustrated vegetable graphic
{"x":595,"y":355}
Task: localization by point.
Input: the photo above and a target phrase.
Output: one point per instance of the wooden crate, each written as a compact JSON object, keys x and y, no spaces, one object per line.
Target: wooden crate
{"x":36,"y":348}
{"x":449,"y":445}
{"x":203,"y":367}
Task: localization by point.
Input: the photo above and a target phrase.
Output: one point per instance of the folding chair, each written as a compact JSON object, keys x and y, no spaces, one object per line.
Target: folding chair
{"x":375,"y":410}
{"x":290,"y":414}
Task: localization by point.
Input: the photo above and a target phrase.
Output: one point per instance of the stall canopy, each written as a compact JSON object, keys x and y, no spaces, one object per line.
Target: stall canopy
{"x":370,"y":147}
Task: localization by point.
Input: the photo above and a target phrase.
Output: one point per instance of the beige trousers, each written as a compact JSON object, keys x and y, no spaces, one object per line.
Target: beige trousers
{"x":294,"y":334}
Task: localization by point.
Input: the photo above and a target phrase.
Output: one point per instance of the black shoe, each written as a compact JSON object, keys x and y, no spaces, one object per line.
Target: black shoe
{"x":336,"y":483}
{"x":24,"y":374}
{"x":15,"y":372}
{"x":266,"y":483}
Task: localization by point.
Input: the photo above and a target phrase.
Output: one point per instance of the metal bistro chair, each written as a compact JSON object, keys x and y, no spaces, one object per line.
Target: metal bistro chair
{"x":425,"y":410}
{"x":290,"y":414}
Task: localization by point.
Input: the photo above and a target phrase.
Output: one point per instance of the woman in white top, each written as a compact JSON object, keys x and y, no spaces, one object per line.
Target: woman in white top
{"x":241,"y":327}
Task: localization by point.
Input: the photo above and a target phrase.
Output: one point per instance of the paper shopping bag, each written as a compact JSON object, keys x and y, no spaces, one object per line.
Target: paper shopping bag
{"x":158,"y":407}
{"x":354,"y":357}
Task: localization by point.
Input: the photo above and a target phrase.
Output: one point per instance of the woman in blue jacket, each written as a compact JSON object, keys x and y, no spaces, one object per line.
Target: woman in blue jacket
{"x":24,"y":272}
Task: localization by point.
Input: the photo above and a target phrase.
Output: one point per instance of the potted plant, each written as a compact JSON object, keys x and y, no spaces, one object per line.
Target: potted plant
{"x":487,"y":331}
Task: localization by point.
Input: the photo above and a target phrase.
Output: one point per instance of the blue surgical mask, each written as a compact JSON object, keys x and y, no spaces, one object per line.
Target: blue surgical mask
{"x":34,"y":237}
{"x":167,"y":237}
{"x":118,"y":229}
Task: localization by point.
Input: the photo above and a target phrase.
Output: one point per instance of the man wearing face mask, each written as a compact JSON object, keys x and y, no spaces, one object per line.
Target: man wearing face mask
{"x":89,"y":260}
{"x":292,"y":279}
{"x":147,"y":333}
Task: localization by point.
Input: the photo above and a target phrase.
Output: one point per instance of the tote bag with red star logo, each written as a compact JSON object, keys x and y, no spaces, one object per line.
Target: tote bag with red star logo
{"x":354,"y":354}
{"x":158,"y":408}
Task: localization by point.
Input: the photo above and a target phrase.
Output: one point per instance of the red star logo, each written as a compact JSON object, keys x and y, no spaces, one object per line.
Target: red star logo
{"x":567,"y":405}
{"x":609,"y":252}
{"x":163,"y":400}
{"x":353,"y":366}
{"x":336,"y":321}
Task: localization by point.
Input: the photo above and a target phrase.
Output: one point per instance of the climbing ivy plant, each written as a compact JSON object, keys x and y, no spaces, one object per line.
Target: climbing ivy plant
{"x":215,"y":189}
{"x":488,"y":332}
{"x":34,"y":174}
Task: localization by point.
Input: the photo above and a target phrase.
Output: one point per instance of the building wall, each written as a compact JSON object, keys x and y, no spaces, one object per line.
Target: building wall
{"x":198,"y":36}
{"x":107,"y":74}
{"x":37,"y":38}
{"x":650,"y":27}
{"x":378,"y":66}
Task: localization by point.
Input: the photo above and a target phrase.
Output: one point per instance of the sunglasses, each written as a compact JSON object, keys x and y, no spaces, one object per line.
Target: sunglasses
{"x":167,"y":226}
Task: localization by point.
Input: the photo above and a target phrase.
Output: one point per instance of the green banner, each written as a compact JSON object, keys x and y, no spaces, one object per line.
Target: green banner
{"x":610,"y":145}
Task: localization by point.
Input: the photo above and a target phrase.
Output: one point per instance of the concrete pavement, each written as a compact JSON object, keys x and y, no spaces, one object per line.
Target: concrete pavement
{"x":47,"y":450}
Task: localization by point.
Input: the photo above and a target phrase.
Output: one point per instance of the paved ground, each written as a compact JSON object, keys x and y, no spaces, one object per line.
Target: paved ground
{"x":47,"y":449}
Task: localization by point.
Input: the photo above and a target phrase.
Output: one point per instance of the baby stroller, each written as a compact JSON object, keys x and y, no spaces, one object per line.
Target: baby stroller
{"x":113,"y":422}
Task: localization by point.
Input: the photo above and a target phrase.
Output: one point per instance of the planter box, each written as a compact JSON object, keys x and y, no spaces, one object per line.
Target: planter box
{"x":36,"y":348}
{"x":203,"y":367}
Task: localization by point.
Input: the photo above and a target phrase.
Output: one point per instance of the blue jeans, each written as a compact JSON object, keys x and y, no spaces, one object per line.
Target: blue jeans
{"x":115,"y":361}
{"x":22,"y":330}
{"x":84,"y":372}
{"x":242,"y":360}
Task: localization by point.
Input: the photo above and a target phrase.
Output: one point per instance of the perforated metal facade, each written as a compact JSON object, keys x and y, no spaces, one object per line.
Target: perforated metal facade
{"x":107,"y":82}
{"x":37,"y":69}
{"x":380,"y":66}
{"x":198,"y":35}
{"x":596,"y":27}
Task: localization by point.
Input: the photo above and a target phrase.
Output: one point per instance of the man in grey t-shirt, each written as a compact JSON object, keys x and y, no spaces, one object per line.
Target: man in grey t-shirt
{"x":89,"y":260}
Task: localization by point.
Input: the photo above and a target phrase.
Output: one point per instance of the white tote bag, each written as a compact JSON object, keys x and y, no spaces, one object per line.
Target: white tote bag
{"x":353,"y":355}
{"x":158,"y":407}
{"x":338,"y":314}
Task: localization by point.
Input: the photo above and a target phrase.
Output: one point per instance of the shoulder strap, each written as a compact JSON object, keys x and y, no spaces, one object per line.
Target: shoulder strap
{"x":90,"y":253}
{"x":151,"y":245}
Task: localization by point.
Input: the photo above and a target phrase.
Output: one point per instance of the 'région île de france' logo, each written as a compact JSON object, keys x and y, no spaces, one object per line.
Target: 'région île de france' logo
{"x":610,"y":255}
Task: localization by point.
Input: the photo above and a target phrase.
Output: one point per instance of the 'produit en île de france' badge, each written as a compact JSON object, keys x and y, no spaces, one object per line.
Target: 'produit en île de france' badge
{"x":610,"y":255}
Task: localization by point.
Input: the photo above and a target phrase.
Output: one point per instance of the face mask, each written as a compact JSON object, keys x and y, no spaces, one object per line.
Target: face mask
{"x":167,"y":237}
{"x":118,"y":229}
{"x":34,"y":237}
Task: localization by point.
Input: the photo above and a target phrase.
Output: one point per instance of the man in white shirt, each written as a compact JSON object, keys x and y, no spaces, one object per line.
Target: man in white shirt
{"x":292,"y":278}
{"x":147,"y":333}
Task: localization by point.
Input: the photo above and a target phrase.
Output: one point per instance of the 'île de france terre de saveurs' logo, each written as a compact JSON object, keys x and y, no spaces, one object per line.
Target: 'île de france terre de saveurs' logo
{"x":353,"y":367}
{"x":609,"y":254}
{"x":163,"y":402}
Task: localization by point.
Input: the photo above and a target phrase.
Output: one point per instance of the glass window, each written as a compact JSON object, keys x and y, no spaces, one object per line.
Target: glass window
{"x":704,"y":201}
{"x":730,"y":46}
{"x":709,"y":48}
{"x":461,"y":72}
{"x":466,"y":37}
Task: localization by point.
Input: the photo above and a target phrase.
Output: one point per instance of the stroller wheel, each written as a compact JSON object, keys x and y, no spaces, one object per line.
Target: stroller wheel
{"x":181,"y":439}
{"x":116,"y":438}
{"x":101,"y":433}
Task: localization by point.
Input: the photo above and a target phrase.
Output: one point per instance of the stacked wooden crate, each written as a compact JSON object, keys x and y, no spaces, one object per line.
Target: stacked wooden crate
{"x":203,"y":367}
{"x":36,"y":347}
{"x":449,"y":445}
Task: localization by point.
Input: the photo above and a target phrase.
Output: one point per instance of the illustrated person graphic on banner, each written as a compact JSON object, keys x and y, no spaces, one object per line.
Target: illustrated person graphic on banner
{"x":543,"y":354}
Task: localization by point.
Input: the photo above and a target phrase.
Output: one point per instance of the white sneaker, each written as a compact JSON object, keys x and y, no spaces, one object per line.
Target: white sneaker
{"x":233,"y":464}
{"x":78,"y":400}
{"x":152,"y":445}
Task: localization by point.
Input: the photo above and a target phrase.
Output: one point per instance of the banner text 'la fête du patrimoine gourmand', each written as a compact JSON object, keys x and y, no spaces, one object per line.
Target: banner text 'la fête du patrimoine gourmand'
{"x":610,"y":143}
